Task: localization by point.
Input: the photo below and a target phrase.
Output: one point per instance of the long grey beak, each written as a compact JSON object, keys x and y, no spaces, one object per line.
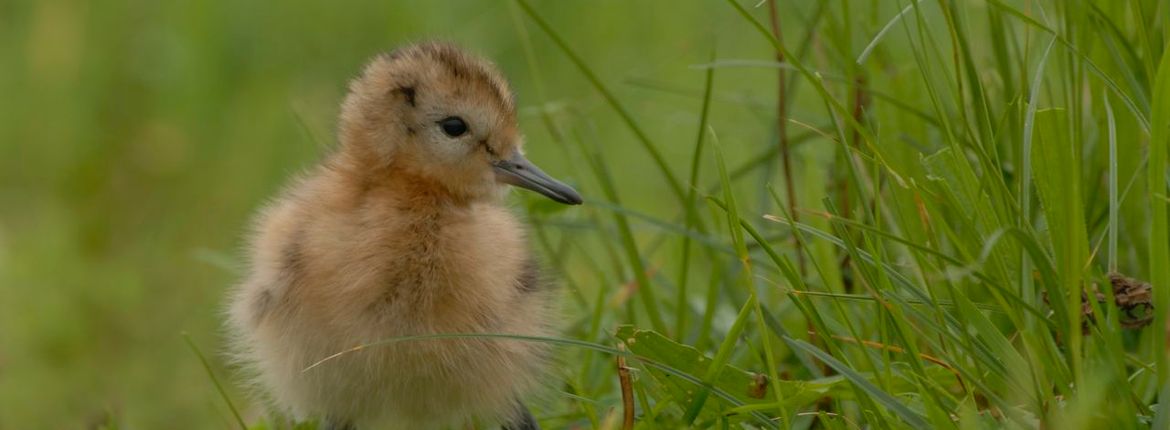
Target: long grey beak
{"x":520,"y":172}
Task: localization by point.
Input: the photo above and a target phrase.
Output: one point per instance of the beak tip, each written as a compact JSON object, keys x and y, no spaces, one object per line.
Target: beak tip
{"x":570,"y":197}
{"x":520,"y":172}
{"x":567,"y":196}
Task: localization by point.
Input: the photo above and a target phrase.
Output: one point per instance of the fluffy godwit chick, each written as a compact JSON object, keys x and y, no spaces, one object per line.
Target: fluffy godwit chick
{"x":401,"y":232}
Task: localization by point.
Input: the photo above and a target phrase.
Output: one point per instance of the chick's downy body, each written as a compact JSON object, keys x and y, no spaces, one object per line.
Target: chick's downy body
{"x":400,"y":232}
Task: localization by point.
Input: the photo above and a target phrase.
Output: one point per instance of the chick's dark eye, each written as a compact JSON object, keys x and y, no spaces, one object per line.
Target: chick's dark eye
{"x":453,"y":126}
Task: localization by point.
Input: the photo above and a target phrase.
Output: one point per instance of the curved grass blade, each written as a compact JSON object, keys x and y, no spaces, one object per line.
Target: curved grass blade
{"x":215,"y":381}
{"x":761,"y":419}
{"x":659,"y":161}
{"x":914,"y":419}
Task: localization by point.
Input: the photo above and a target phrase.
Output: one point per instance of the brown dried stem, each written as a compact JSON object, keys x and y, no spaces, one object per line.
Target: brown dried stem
{"x":782,"y":129}
{"x":627,"y":391}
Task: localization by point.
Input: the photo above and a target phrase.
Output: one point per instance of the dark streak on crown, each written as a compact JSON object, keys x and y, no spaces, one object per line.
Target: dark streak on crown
{"x":463,"y":67}
{"x":449,"y":59}
{"x":452,"y":61}
{"x":408,"y":93}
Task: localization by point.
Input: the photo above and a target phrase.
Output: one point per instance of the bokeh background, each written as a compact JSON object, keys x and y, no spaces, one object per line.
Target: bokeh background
{"x":138,"y":137}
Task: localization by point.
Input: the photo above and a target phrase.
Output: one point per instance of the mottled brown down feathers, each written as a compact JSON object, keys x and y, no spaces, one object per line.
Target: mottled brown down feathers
{"x":400,"y":231}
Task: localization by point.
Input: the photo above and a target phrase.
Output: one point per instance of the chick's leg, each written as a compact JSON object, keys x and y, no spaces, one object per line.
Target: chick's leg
{"x":523,"y":420}
{"x":336,"y":424}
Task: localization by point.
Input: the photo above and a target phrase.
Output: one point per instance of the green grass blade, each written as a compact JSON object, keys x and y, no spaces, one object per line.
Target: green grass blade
{"x":215,"y":381}
{"x":692,"y":209}
{"x":627,"y":118}
{"x":912,"y":418}
{"x":1159,"y":252}
{"x":633,"y":255}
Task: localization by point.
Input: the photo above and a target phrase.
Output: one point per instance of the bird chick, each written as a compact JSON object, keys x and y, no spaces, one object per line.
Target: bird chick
{"x":401,"y":232}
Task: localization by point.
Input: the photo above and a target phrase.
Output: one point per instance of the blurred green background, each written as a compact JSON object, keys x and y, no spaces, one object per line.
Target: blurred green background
{"x":137,"y":138}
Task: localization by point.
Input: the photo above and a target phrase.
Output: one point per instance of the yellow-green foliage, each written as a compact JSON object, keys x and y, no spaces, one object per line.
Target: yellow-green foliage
{"x":964,"y":173}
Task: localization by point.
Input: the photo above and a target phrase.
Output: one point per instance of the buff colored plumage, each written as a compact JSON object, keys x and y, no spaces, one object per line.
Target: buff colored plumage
{"x":401,"y":231}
